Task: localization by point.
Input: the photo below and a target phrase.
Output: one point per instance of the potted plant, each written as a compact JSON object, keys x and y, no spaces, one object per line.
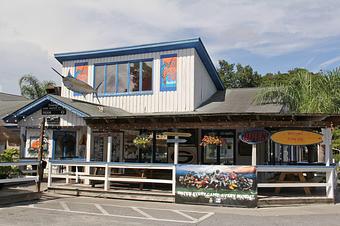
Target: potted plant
{"x":210,"y":144}
{"x":142,"y":142}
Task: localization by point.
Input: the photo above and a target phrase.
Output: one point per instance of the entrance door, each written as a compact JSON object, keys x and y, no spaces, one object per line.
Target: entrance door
{"x":64,"y":144}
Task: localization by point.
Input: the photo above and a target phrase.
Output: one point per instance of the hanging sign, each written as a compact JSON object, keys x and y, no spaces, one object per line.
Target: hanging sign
{"x":53,"y":120}
{"x":53,"y":109}
{"x":296,"y":137}
{"x":255,"y":136}
{"x":177,"y":134}
{"x":176,"y":140}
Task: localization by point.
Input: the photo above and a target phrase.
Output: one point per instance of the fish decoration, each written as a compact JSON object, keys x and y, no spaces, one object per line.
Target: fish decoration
{"x":78,"y":86}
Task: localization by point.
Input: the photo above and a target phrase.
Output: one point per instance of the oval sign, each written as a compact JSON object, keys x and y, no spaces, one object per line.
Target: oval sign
{"x":255,"y":136}
{"x":296,"y":137}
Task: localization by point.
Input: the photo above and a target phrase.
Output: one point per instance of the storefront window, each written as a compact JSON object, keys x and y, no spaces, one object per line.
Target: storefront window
{"x":221,"y":152}
{"x":110,"y":78}
{"x":99,"y":77}
{"x":122,"y":78}
{"x":98,"y":148}
{"x":130,"y":149}
{"x":147,"y":76}
{"x":161,"y":154}
{"x":134,"y":77}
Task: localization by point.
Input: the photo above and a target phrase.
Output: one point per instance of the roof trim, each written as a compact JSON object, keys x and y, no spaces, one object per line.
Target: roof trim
{"x":37,"y":104}
{"x":195,"y":43}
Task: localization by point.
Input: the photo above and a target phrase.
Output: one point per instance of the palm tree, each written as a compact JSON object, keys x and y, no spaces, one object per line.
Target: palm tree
{"x":306,"y":93}
{"x":32,"y":88}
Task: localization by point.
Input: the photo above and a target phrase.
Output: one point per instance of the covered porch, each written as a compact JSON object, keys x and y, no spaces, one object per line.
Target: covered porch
{"x":114,"y":164}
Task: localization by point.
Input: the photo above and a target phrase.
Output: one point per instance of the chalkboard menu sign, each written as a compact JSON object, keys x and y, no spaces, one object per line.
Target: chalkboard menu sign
{"x":53,"y":109}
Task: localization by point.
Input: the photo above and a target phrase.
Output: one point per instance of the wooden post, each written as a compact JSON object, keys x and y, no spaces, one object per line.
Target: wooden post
{"x":174,"y":180}
{"x":106,"y":181}
{"x":176,"y":145}
{"x":109,"y":148}
{"x":253,"y":155}
{"x":40,"y":154}
{"x":22,"y":141}
{"x":108,"y":159}
{"x":88,"y":152}
{"x":330,"y":176}
{"x":49,"y":179}
{"x":327,"y":141}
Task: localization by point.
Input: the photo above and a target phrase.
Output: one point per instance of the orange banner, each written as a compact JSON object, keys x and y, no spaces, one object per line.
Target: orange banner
{"x":296,"y":137}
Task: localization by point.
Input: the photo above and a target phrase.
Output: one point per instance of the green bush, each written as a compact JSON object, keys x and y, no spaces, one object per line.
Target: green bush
{"x":9,"y":155}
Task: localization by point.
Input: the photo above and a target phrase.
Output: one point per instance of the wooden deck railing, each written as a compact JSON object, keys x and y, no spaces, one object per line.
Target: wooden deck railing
{"x":329,"y":184}
{"x":23,"y":177}
{"x":108,"y":177}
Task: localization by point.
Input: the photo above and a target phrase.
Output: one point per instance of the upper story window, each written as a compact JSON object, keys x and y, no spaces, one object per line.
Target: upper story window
{"x":124,"y":77}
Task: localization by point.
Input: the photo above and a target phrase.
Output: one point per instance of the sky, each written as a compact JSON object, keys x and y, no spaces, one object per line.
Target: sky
{"x":269,"y":35}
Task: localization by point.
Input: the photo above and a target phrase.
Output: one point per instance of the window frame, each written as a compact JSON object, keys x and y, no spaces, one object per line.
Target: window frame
{"x":127,"y":62}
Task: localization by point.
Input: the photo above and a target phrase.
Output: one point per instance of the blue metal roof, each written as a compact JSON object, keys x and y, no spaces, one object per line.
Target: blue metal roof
{"x":195,"y":43}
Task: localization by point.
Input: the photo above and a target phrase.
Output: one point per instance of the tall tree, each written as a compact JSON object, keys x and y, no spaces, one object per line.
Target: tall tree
{"x":306,"y":92}
{"x":238,"y":76}
{"x":32,"y":88}
{"x":271,"y":79}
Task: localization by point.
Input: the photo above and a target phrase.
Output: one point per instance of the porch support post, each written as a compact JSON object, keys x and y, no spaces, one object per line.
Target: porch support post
{"x":108,"y":159}
{"x":327,"y":141}
{"x":49,"y":178}
{"x":176,"y":145}
{"x":253,"y":155}
{"x":88,"y":152}
{"x":109,"y":148}
{"x":22,"y":141}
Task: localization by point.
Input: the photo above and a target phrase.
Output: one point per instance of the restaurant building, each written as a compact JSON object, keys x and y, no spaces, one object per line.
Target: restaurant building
{"x":170,"y":95}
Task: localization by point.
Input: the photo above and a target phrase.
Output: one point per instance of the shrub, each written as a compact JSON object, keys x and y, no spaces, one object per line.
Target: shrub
{"x":9,"y":155}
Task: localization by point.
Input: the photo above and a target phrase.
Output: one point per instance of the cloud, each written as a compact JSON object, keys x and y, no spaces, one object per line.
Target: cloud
{"x":330,"y":62}
{"x":40,"y":28}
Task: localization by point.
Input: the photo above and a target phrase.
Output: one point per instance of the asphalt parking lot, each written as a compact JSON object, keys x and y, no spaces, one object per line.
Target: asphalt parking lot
{"x":67,"y":210}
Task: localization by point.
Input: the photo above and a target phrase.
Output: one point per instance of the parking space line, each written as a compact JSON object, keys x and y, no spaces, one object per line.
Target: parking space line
{"x":204,"y":217}
{"x":141,"y":207}
{"x":110,"y":215}
{"x":184,"y":215}
{"x":142,"y":212}
{"x":64,"y":205}
{"x":101,"y":209}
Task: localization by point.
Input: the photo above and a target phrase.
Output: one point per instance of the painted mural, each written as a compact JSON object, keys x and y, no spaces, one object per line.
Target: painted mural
{"x":168,"y":73}
{"x":216,"y":185}
{"x":81,"y":72}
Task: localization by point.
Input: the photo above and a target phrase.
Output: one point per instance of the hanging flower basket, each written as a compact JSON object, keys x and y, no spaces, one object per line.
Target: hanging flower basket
{"x":142,"y":142}
{"x":211,"y":140}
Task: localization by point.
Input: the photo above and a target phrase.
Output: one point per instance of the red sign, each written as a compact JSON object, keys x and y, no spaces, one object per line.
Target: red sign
{"x":255,"y":136}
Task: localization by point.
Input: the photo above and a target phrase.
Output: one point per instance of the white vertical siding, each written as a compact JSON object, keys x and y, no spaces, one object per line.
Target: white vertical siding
{"x":204,"y":86}
{"x":172,"y":101}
